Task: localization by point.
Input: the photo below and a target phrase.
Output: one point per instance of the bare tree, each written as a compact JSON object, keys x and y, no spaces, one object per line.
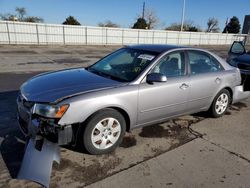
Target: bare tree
{"x":21,"y":13}
{"x":213,"y":25}
{"x":8,"y":17}
{"x":151,"y":18}
{"x":108,"y":23}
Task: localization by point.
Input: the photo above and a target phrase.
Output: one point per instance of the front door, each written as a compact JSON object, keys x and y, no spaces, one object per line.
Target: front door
{"x":164,"y":99}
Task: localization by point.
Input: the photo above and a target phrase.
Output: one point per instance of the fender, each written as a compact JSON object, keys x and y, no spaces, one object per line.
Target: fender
{"x":83,"y":106}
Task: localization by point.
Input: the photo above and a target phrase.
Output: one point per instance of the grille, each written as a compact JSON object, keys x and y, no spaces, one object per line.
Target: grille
{"x":244,"y":66}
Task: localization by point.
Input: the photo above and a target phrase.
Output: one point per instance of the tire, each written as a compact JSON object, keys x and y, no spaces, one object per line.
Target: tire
{"x":103,"y":132}
{"x":220,"y":103}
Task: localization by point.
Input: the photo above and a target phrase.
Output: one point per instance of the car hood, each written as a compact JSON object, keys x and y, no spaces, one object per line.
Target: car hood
{"x":55,"y":86}
{"x":243,"y":58}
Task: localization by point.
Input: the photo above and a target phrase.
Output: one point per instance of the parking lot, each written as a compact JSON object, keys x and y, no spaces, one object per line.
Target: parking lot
{"x":190,"y":151}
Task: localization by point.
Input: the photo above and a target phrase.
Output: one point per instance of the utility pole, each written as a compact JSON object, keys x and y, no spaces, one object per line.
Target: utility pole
{"x":183,"y":14}
{"x":226,"y":26}
{"x":143,"y":10}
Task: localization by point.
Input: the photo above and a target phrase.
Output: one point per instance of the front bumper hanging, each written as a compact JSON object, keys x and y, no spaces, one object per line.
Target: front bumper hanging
{"x":37,"y":165}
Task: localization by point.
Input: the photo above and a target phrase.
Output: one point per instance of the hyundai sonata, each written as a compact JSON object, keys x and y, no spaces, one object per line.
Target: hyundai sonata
{"x":132,"y":87}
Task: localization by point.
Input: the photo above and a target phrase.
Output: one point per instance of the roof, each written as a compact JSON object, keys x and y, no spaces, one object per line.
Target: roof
{"x":159,"y":48}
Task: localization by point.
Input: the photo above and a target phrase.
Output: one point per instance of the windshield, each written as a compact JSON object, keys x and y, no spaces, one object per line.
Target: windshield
{"x":124,"y":64}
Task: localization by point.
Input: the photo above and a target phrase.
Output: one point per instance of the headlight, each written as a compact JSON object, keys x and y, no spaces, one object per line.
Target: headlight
{"x":49,"y":110}
{"x":233,"y":62}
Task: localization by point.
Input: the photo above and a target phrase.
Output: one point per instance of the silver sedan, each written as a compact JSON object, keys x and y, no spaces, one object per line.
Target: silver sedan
{"x":132,"y":87}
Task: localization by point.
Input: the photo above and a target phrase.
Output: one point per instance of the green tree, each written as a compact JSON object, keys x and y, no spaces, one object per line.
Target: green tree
{"x":71,"y":21}
{"x":140,"y":24}
{"x":233,"y":26}
{"x":108,"y":23}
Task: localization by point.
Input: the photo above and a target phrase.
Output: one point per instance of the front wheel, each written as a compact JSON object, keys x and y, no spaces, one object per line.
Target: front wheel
{"x":103,"y":131}
{"x":220,"y":104}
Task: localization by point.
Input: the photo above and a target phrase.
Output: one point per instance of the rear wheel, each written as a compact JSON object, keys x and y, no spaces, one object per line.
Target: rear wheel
{"x":103,"y":132}
{"x":220,"y":104}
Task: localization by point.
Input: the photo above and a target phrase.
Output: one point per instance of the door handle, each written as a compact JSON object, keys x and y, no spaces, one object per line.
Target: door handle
{"x":218,"y":80}
{"x":184,"y":86}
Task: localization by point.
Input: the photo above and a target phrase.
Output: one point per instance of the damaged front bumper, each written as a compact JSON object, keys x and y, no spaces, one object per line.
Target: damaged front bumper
{"x":37,"y":128}
{"x":44,"y":135}
{"x":37,"y":165}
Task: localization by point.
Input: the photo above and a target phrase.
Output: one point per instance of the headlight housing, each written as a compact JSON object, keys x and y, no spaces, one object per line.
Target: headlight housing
{"x":50,"y":111}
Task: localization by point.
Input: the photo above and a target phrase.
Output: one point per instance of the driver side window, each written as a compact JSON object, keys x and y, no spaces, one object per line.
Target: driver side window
{"x":171,"y":65}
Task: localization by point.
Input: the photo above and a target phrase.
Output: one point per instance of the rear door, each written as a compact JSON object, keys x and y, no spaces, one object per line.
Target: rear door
{"x":206,"y":76}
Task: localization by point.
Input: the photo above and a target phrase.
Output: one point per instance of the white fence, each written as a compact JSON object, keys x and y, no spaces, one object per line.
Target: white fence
{"x":51,"y":34}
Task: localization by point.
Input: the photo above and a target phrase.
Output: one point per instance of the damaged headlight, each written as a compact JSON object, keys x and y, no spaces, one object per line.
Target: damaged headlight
{"x":50,"y":111}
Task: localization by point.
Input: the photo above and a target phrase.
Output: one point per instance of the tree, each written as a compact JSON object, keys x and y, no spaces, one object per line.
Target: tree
{"x":108,"y":23}
{"x":151,"y":18}
{"x":71,"y":21}
{"x":8,"y":17}
{"x":21,"y":13}
{"x":213,"y":25}
{"x":33,"y":19}
{"x":233,"y":26}
{"x":193,"y":29}
{"x":21,"y":16}
{"x":140,"y":24}
{"x":187,"y":26}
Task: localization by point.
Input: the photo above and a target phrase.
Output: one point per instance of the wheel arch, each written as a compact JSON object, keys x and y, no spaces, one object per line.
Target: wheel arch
{"x":125,"y":115}
{"x":230,"y":91}
{"x":123,"y":112}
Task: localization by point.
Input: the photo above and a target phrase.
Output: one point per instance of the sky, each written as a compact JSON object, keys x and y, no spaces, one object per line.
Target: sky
{"x":125,"y":12}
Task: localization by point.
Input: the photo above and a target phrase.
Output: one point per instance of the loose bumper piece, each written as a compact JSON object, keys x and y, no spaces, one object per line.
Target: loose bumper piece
{"x":37,"y":165}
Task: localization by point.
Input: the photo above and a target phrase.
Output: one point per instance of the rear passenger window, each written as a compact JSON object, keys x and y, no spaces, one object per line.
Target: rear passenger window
{"x":201,"y":62}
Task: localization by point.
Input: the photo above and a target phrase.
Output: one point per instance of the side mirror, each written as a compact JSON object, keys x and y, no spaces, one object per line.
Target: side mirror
{"x":156,"y":77}
{"x":237,"y":48}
